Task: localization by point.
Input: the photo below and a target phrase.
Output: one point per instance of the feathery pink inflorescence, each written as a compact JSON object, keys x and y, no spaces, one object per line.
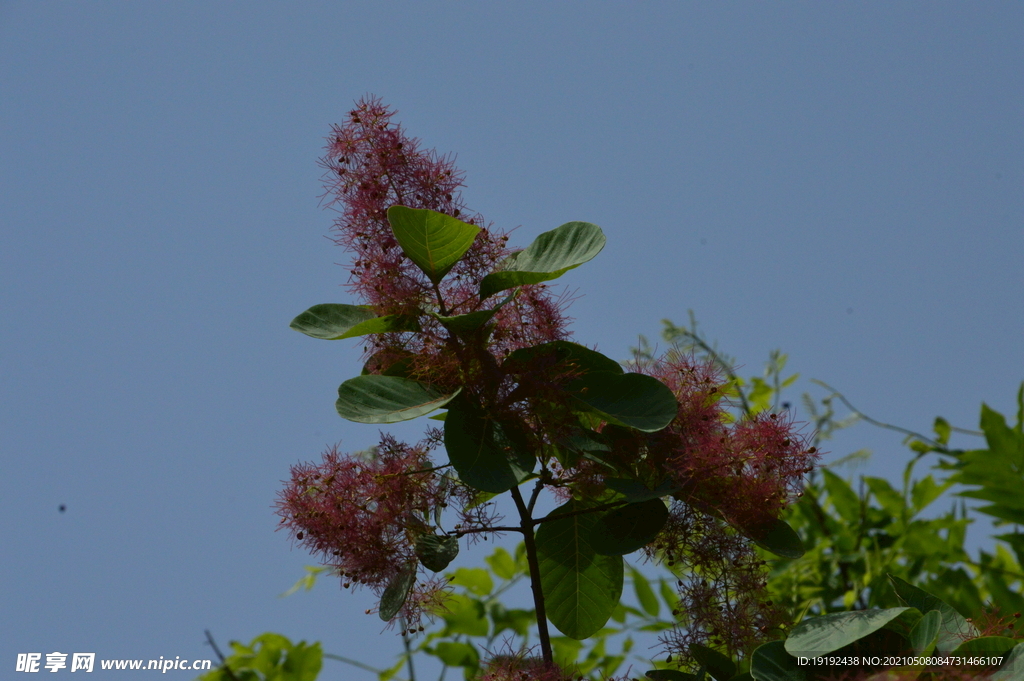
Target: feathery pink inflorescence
{"x":362,"y":515}
{"x":372,"y":165}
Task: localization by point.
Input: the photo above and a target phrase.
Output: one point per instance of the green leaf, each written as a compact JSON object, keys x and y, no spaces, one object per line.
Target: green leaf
{"x":501,"y":564}
{"x":335,"y":321}
{"x":395,"y":593}
{"x":548,"y":257}
{"x":633,"y":400}
{"x":942,"y":430}
{"x":581,"y":588}
{"x":644,"y":594}
{"x":457,"y":654}
{"x":668,"y":594}
{"x":1013,"y":666}
{"x":436,"y":552}
{"x":634,"y":490}
{"x":986,"y":646}
{"x":891,"y":500}
{"x":387,"y":399}
{"x":954,"y":627}
{"x":842,"y":496}
{"x":925,"y":491}
{"x":925,"y":633}
{"x":1002,"y":440}
{"x":628,"y":528}
{"x":475,"y":580}
{"x":771,"y":662}
{"x":669,"y":675}
{"x":432,"y":240}
{"x":718,"y":665}
{"x":564,"y":354}
{"x":480,"y":450}
{"x":779,"y":538}
{"x":827,"y":633}
{"x":1016,"y":542}
{"x":471,"y":321}
{"x":464,"y":615}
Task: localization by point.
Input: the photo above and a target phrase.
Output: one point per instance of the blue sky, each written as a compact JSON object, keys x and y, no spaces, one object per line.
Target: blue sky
{"x":841,"y":181}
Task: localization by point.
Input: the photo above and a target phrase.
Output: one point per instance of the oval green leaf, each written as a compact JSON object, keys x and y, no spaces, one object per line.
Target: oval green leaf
{"x":546,"y":356}
{"x":334,"y":321}
{"x":955,"y":628}
{"x":580,"y":587}
{"x":481,"y":452}
{"x":432,"y":240}
{"x":779,"y":538}
{"x":628,"y":528}
{"x":387,"y":399}
{"x":436,"y":552}
{"x":395,"y":593}
{"x":633,"y":400}
{"x":548,"y":257}
{"x":771,"y":662}
{"x":824,"y":634}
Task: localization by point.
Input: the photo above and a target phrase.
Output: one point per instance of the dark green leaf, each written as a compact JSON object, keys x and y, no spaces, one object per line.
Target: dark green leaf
{"x":954,"y":627}
{"x":387,"y":399}
{"x":779,"y":538}
{"x":581,"y":588}
{"x":396,"y":592}
{"x":565,"y":355}
{"x":335,"y":321}
{"x":633,"y":400}
{"x":771,"y":662}
{"x":926,"y":632}
{"x":628,"y":528}
{"x":986,"y":646}
{"x":432,"y":240}
{"x":718,"y":665}
{"x":548,"y":257}
{"x":472,"y":321}
{"x":480,"y":450}
{"x":436,"y":552}
{"x":1016,"y":542}
{"x":669,"y":675}
{"x":824,"y":634}
{"x":634,"y":490}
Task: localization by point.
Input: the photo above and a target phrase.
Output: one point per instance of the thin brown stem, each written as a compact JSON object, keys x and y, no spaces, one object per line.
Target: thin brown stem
{"x":220,"y":656}
{"x":538,"y":594}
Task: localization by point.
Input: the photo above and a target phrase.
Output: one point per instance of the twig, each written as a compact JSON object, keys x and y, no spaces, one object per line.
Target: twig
{"x":889,"y":426}
{"x":220,"y":655}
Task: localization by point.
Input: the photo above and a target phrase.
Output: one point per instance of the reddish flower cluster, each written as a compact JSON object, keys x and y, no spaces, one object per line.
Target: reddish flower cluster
{"x":373,"y":165}
{"x":362,"y":515}
{"x":730,"y":475}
